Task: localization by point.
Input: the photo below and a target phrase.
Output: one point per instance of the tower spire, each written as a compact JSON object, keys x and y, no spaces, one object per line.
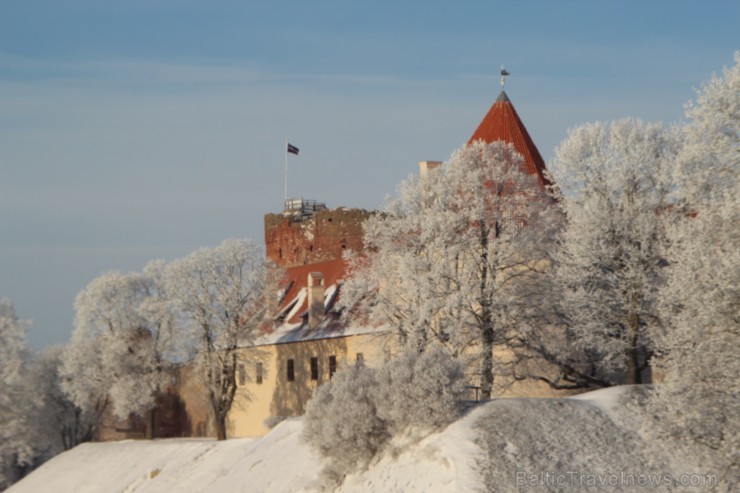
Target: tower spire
{"x":503,"y":123}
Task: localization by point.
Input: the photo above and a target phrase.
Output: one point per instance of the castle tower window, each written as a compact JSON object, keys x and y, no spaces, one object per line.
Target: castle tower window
{"x":360,"y":361}
{"x":290,"y":375}
{"x":259,"y":372}
{"x":332,"y":365}
{"x":314,"y":368}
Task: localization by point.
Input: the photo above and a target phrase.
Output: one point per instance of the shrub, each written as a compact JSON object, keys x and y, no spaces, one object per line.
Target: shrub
{"x":420,"y":392}
{"x":272,"y":421}
{"x":350,"y":419}
{"x":342,"y":422}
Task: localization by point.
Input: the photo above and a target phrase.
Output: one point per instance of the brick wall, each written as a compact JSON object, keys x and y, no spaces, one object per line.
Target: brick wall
{"x":324,"y":236}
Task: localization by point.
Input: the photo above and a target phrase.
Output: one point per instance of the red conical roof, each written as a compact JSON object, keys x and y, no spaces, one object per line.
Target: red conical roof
{"x":502,"y":123}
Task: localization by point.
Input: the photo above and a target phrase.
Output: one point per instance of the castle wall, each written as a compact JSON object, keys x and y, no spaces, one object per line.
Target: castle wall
{"x":197,"y":409}
{"x":182,"y":410}
{"x":322,"y":237}
{"x":276,"y":396}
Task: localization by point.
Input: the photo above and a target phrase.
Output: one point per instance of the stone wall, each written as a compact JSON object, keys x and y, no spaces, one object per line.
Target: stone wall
{"x":322,"y":237}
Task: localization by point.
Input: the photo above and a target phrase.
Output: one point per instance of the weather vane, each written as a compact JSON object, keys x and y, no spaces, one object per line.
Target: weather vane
{"x":504,"y":73}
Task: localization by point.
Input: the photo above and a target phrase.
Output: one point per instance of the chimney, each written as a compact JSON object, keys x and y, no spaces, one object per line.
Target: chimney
{"x":426,"y":166}
{"x":315,"y":299}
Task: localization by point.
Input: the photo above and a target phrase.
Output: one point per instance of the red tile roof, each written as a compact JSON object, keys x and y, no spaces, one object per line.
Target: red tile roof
{"x":503,"y":123}
{"x":297,"y":279}
{"x":295,"y":304}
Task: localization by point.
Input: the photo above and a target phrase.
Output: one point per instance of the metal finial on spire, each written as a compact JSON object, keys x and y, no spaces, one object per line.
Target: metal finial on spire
{"x":504,"y":73}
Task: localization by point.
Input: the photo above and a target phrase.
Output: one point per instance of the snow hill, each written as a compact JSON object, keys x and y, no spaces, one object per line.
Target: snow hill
{"x":490,"y":449}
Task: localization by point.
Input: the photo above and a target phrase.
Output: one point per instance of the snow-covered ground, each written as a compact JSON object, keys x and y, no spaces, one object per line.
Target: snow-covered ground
{"x":277,"y":462}
{"x":491,"y":449}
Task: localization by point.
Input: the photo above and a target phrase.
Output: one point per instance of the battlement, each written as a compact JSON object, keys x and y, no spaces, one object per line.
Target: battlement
{"x":308,"y":232}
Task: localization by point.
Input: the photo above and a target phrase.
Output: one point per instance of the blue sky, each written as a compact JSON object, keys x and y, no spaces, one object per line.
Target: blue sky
{"x":133,"y":130}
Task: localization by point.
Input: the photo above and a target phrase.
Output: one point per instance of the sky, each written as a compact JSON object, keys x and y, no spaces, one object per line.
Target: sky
{"x":143,"y":129}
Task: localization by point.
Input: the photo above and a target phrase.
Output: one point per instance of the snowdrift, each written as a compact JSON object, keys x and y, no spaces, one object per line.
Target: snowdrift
{"x":484,"y":451}
{"x":274,"y":463}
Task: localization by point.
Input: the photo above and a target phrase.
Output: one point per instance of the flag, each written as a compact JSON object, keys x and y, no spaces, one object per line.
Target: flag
{"x":292,"y":149}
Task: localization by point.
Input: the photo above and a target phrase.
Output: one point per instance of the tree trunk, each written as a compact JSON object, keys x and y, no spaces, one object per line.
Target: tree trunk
{"x":220,"y":427}
{"x":486,"y":318}
{"x":421,"y":342}
{"x":219,"y":416}
{"x":151,"y":420}
{"x":486,"y":370}
{"x":633,"y":364}
{"x":634,"y":375}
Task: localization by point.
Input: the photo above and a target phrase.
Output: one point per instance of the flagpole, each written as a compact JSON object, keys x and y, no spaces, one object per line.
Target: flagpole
{"x":286,"y":172}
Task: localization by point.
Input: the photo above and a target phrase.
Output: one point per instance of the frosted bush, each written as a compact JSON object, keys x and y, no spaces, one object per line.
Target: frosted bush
{"x":342,"y":422}
{"x":352,"y":418}
{"x":272,"y":421}
{"x":420,"y":392}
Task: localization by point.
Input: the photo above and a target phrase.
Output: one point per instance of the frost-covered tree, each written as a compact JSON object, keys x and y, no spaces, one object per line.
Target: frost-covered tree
{"x":58,"y":423}
{"x":222,"y":295}
{"x":37,"y":420}
{"x":447,"y":261}
{"x":15,"y":445}
{"x":118,"y":355}
{"x":47,"y":421}
{"x":615,"y":181}
{"x":698,"y":400}
{"x":352,"y":418}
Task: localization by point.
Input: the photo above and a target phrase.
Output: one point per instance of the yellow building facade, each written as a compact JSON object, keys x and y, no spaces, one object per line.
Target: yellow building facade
{"x":276,"y":381}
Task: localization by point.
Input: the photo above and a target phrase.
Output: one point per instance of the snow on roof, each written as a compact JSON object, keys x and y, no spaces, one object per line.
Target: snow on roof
{"x":298,"y":332}
{"x":297,"y":293}
{"x":296,"y":304}
{"x":291,"y":317}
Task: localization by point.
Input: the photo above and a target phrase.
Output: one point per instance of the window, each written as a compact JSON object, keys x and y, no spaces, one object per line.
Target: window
{"x":314,"y":368}
{"x":258,"y":378}
{"x":360,"y":359}
{"x":242,"y":374}
{"x":332,"y":365}
{"x":291,"y":370}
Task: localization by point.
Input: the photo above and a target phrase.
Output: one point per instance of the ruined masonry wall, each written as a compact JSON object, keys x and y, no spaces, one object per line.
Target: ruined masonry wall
{"x":325,"y":236}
